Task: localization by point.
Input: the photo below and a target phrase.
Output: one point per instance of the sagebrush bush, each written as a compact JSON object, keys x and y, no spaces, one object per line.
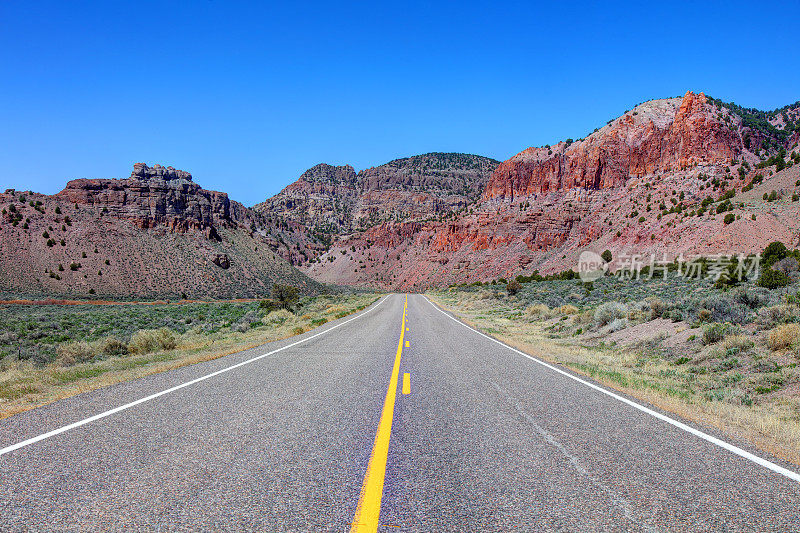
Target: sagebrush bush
{"x":657,"y":308}
{"x":783,"y":336}
{"x":71,"y":353}
{"x":568,"y":309}
{"x":587,"y":317}
{"x":110,"y":346}
{"x":635,"y":315}
{"x":723,"y":308}
{"x":538,"y":310}
{"x":736,"y":343}
{"x":608,"y":311}
{"x":277,"y":318}
{"x":753,"y":298}
{"x":713,"y":333}
{"x":618,"y":324}
{"x":240,"y":327}
{"x":774,"y":314}
{"x":152,"y":340}
{"x":336,"y":310}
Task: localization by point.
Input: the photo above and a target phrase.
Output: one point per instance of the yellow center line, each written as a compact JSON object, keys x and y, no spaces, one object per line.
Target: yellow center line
{"x":369,"y":503}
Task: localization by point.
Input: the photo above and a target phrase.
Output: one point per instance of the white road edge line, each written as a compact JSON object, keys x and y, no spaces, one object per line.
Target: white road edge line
{"x":680,"y":425}
{"x":110,"y":412}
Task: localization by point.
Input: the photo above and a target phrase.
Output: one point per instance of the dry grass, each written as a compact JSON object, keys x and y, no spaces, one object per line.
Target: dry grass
{"x":335,"y":310}
{"x":783,"y":337}
{"x":538,"y":310}
{"x":24,"y":386}
{"x":568,"y":309}
{"x":739,"y":343}
{"x":771,"y":426}
{"x":152,"y":340}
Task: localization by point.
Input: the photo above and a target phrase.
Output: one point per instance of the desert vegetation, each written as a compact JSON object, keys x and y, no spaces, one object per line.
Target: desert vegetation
{"x":708,"y":351}
{"x":52,"y":351}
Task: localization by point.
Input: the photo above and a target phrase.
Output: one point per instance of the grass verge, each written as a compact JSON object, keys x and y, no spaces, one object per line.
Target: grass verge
{"x":646,"y":371}
{"x":25,"y":385}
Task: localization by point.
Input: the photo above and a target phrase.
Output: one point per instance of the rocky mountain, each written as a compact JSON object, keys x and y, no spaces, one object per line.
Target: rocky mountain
{"x":328,"y":202}
{"x":158,"y":196}
{"x":678,"y":175}
{"x":685,"y":175}
{"x":154,"y":234}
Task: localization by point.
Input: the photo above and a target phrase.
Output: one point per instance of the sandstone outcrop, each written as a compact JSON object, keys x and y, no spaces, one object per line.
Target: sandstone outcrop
{"x":158,"y":196}
{"x":656,"y":137}
{"x":330,"y":201}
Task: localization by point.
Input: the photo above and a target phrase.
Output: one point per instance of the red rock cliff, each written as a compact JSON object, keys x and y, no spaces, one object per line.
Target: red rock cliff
{"x":155,"y":196}
{"x":657,"y":136}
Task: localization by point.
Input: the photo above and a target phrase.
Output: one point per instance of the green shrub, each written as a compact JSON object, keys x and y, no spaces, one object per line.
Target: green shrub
{"x":730,"y":217}
{"x":772,"y":279}
{"x":608,"y":312}
{"x":110,"y":346}
{"x":269,"y":305}
{"x":774,"y":252}
{"x":717,"y":331}
{"x":285,"y":295}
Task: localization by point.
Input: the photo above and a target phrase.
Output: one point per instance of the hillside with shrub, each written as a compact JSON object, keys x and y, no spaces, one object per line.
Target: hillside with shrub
{"x":727,"y":353}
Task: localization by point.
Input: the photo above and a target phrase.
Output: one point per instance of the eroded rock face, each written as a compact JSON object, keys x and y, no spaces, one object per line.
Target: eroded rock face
{"x":158,"y":196}
{"x":142,"y":172}
{"x":329,"y":201}
{"x":656,"y":137}
{"x":634,"y":186}
{"x":118,"y":258}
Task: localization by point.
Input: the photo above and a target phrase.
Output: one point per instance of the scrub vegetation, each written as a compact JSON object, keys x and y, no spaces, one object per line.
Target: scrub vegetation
{"x":54,"y":351}
{"x":717,"y":354}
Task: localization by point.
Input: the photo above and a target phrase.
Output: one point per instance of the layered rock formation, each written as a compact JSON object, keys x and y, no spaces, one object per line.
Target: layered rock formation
{"x":328,"y":201}
{"x":656,"y":137}
{"x":657,"y":180}
{"x":154,"y":234}
{"x":156,"y":196}
{"x":634,"y":186}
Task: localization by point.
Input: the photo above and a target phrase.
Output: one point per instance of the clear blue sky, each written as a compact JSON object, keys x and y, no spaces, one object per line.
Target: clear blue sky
{"x":247,"y":95}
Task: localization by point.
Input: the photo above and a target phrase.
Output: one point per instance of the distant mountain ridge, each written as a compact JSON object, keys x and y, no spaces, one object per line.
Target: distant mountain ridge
{"x":330,"y":201}
{"x":690,"y":175}
{"x":650,"y":181}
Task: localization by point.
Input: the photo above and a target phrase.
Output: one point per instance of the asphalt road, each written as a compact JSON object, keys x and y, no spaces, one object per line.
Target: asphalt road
{"x":486,"y":440}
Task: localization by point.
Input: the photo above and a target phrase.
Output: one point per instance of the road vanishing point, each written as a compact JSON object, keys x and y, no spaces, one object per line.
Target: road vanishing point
{"x":398,"y":418}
